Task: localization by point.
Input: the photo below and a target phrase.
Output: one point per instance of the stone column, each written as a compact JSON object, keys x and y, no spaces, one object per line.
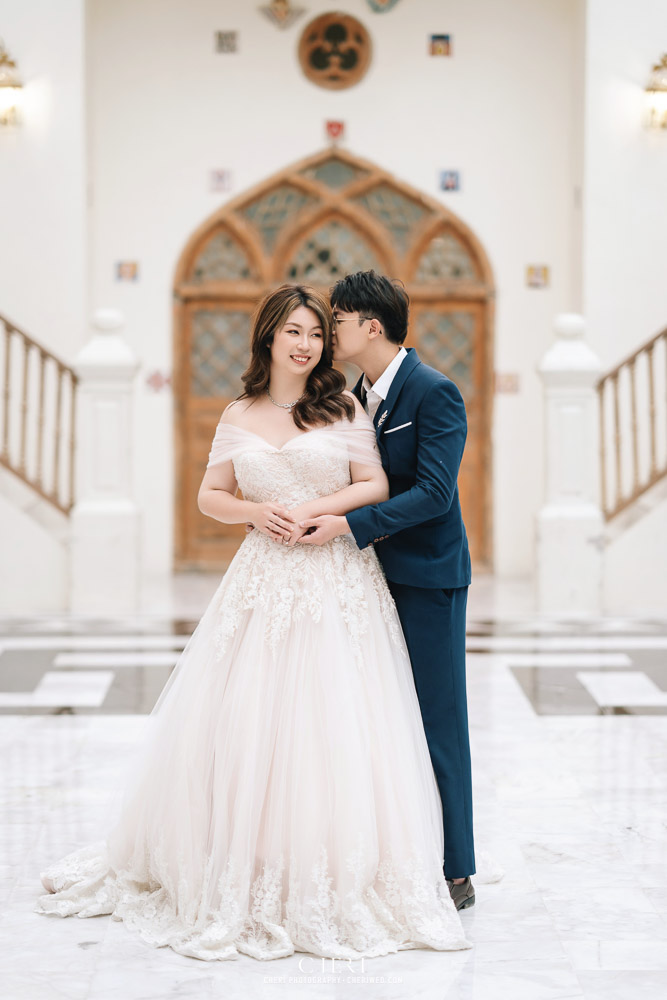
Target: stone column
{"x":570,"y":524}
{"x":105,"y":521}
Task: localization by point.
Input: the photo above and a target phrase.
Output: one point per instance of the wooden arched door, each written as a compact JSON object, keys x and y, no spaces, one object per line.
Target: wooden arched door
{"x":313,"y":223}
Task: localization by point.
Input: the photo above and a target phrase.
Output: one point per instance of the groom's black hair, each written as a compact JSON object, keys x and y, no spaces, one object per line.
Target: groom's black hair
{"x":374,"y":297}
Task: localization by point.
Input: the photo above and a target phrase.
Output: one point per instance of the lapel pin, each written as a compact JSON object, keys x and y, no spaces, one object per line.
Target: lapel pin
{"x":382,"y":419}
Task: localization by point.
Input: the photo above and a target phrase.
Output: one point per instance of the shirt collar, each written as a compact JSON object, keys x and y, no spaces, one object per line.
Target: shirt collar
{"x":381,"y":387}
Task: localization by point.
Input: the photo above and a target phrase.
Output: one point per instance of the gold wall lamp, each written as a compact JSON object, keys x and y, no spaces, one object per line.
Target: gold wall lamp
{"x":656,"y":95}
{"x":10,"y":88}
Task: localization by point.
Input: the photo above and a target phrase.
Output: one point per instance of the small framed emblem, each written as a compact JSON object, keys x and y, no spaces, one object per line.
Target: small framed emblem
{"x":440,"y":45}
{"x":127,"y":270}
{"x":507,"y":382}
{"x":226,"y":41}
{"x":220,"y":180}
{"x":335,"y":131}
{"x":157,"y":381}
{"x":450,"y":180}
{"x":537,"y":276}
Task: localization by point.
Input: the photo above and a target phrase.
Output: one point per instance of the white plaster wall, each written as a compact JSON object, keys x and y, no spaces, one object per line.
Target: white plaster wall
{"x":165,"y":109}
{"x":625,"y":265}
{"x":34,"y":563}
{"x":625,"y":207}
{"x":635,"y":577}
{"x":42,"y":252}
{"x":42,"y":175}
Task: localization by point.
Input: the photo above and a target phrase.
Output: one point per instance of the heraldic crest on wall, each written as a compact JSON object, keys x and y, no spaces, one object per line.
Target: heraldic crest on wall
{"x":335,"y":51}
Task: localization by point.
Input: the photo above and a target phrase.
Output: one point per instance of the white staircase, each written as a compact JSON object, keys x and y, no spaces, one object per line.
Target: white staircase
{"x":69,"y":528}
{"x":602,"y":532}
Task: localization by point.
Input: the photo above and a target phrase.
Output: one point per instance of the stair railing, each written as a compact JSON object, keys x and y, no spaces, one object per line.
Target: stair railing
{"x":38,"y":416}
{"x":633,"y":425}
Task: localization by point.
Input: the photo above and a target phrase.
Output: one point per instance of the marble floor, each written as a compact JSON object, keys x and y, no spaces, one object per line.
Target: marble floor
{"x":569,"y":742}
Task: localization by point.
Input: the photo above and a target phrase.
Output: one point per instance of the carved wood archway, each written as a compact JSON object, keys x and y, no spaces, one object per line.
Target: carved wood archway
{"x":314,"y":222}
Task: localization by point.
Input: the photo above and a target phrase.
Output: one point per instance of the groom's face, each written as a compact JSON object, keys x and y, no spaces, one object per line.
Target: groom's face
{"x":350,"y":335}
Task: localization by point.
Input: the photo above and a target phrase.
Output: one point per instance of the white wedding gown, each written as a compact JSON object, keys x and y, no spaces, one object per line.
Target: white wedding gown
{"x":284,"y":798}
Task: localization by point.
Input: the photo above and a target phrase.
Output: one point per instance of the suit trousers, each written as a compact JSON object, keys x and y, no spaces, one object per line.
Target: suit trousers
{"x":434,"y":624}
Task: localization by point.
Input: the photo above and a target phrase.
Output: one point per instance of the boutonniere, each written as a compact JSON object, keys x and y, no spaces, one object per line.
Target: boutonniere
{"x":382,"y":419}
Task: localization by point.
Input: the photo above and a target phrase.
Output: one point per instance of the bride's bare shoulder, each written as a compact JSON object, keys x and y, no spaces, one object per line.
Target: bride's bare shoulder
{"x":234,"y":414}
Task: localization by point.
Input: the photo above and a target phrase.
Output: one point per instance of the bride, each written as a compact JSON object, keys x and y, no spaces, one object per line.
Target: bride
{"x":284,"y":798}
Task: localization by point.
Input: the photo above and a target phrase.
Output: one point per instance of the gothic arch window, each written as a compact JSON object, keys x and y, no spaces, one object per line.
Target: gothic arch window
{"x":315,"y":222}
{"x":445,"y":258}
{"x":271,"y":211}
{"x":221,"y":258}
{"x":328,"y":253}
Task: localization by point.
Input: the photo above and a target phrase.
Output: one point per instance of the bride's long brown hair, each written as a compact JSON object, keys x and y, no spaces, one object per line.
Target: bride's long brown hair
{"x":323,"y":401}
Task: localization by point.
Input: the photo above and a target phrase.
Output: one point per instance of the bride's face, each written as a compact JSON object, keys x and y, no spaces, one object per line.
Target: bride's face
{"x":298,"y":345}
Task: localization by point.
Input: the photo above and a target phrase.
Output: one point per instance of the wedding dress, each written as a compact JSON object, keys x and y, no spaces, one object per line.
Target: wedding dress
{"x":284,"y":798}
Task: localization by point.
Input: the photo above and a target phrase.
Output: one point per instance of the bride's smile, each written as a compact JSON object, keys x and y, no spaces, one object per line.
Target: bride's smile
{"x":297,"y":347}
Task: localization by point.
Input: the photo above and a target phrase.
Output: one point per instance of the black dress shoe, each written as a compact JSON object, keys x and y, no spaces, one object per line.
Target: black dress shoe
{"x":462,"y":894}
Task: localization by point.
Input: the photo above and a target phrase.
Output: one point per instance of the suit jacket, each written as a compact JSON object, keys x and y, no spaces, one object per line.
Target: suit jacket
{"x":421,"y":429}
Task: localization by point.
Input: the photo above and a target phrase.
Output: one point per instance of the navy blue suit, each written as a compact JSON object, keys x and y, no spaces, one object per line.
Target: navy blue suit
{"x":421,"y":541}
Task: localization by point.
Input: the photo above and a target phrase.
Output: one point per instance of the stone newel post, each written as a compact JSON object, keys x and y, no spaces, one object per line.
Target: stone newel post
{"x":105,"y":520}
{"x":570,"y":524}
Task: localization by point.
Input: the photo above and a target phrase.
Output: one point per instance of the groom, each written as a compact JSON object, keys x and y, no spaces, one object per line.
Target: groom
{"x":418,"y":533}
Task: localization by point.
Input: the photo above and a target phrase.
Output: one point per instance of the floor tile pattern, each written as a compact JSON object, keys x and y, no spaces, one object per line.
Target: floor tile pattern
{"x":569,"y":745}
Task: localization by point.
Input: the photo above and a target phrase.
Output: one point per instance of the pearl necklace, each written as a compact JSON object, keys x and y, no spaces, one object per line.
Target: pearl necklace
{"x":284,"y":406}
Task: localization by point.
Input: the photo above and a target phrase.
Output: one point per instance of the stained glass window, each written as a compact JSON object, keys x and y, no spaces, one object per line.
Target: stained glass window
{"x":220,"y":351}
{"x":445,"y":259}
{"x":334,"y":173}
{"x":329,"y":253}
{"x":396,"y":212}
{"x":222,"y":259}
{"x":446,"y":341}
{"x":273,"y":209}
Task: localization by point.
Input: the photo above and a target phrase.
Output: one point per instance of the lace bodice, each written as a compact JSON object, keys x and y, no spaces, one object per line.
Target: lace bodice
{"x":307,"y":467}
{"x":290,"y":581}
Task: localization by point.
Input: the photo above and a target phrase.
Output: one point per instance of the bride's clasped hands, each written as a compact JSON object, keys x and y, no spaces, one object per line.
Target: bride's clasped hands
{"x":298,"y":524}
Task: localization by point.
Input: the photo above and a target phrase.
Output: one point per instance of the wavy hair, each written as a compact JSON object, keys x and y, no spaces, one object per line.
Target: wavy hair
{"x":323,"y":401}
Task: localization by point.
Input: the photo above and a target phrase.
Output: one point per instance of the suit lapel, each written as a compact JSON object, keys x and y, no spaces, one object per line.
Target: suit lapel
{"x":357,"y":389}
{"x":407,"y":366}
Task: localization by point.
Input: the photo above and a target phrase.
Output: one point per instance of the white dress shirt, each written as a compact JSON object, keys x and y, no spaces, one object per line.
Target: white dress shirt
{"x":378,"y":392}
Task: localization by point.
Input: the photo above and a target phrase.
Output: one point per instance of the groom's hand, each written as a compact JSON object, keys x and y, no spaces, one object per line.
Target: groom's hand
{"x":327,"y":526}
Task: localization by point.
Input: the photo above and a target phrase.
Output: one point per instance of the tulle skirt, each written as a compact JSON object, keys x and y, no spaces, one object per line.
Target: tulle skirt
{"x":282,"y":797}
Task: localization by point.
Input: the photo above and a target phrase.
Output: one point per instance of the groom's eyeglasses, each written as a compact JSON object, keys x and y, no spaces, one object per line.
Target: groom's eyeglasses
{"x":348,"y":319}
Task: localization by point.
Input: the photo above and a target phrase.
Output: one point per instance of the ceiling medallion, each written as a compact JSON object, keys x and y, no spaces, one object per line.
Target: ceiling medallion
{"x":335,"y":51}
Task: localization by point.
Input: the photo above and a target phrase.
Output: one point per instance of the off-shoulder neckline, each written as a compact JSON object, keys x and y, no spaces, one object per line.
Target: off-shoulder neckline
{"x":274,"y":447}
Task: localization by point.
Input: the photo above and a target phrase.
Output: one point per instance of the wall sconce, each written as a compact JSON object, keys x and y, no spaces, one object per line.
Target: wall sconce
{"x":10,"y":88}
{"x":656,"y":95}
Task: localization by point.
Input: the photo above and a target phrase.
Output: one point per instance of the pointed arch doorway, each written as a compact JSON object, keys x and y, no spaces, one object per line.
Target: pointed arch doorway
{"x":314,"y":222}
